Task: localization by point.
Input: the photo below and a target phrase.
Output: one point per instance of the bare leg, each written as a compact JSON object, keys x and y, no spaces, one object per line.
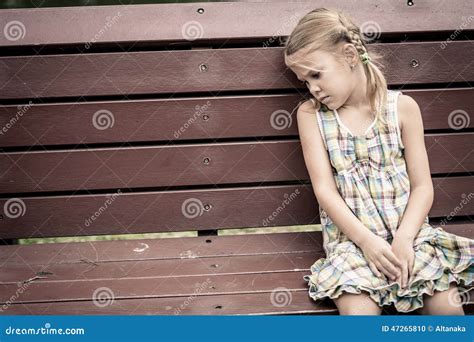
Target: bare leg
{"x":443,"y":303}
{"x":357,"y":304}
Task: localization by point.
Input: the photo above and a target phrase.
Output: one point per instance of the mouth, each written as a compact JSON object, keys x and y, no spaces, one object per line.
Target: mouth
{"x":324,"y":99}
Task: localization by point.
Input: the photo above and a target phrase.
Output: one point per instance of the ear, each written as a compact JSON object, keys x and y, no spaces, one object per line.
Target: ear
{"x":350,"y":54}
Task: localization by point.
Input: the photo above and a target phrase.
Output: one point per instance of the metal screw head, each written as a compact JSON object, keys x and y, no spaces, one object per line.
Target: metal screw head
{"x":200,"y":10}
{"x":205,"y":117}
{"x":414,"y":63}
{"x":207,"y":207}
{"x":206,"y":161}
{"x":203,"y":67}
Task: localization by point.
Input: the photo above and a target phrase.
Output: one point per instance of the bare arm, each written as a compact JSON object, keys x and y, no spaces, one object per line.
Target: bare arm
{"x":421,"y":185}
{"x":319,"y":169}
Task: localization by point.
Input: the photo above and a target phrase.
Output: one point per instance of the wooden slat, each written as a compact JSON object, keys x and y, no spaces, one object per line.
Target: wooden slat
{"x":244,"y":304}
{"x":178,"y":119}
{"x":162,"y":211}
{"x":168,"y":165}
{"x":152,"y":270}
{"x":54,"y":291}
{"x":171,"y":72}
{"x":162,"y":249}
{"x":233,"y":304}
{"x":151,"y":23}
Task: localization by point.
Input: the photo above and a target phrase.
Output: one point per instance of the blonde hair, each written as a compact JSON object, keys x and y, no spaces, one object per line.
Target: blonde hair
{"x":324,"y":29}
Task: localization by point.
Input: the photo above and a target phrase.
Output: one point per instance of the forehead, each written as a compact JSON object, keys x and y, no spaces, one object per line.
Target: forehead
{"x":305,"y":61}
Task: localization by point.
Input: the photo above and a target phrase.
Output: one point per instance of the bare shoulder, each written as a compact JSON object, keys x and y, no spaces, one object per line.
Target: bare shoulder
{"x":408,"y":111}
{"x":307,"y":122}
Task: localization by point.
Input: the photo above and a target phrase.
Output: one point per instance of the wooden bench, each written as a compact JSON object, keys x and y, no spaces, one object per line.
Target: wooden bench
{"x":180,"y":117}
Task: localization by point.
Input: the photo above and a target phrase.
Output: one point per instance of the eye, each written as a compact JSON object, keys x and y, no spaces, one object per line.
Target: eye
{"x":316,"y":75}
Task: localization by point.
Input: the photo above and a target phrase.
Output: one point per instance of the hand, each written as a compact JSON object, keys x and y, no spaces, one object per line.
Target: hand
{"x":380,"y":257}
{"x":402,"y":247}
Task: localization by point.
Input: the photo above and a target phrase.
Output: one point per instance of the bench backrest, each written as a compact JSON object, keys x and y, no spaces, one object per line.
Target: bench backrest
{"x":174,"y":117}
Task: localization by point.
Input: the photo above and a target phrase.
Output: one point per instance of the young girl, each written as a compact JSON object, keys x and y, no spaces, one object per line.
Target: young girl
{"x":364,"y":149}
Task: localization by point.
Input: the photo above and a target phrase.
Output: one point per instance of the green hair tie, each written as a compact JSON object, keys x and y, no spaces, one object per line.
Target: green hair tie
{"x":365,"y":58}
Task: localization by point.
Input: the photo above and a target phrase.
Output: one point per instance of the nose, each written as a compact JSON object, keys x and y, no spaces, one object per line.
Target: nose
{"x":314,"y":88}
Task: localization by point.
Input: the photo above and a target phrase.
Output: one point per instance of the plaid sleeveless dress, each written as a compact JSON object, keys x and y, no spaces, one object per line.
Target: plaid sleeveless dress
{"x":371,"y":176}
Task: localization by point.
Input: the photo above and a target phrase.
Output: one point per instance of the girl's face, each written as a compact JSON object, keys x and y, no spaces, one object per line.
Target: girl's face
{"x":329,"y":79}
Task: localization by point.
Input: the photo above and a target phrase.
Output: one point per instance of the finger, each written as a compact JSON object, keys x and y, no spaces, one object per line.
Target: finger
{"x":389,"y":266}
{"x":374,"y":269}
{"x":392,"y":258}
{"x":405,"y":275}
{"x":385,"y":271}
